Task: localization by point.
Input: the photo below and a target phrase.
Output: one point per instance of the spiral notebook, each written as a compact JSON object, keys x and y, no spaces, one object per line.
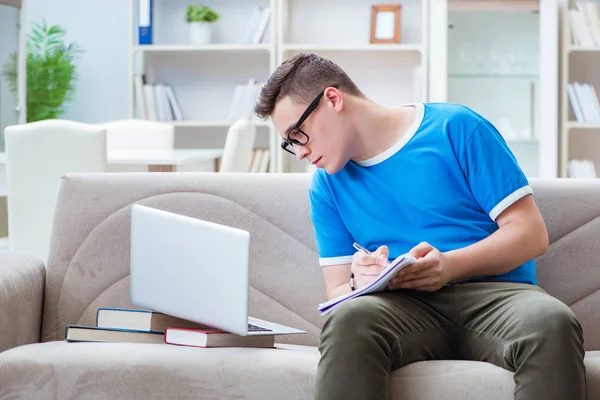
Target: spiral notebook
{"x":376,"y":285}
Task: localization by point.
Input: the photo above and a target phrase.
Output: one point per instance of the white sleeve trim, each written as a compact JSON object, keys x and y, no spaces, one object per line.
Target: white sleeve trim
{"x":326,"y":262}
{"x":509,"y":200}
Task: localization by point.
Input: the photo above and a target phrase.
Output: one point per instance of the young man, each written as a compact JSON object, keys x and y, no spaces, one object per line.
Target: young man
{"x":438,"y":181}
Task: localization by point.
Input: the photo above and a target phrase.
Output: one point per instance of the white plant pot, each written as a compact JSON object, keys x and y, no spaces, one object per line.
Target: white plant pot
{"x":200,"y":32}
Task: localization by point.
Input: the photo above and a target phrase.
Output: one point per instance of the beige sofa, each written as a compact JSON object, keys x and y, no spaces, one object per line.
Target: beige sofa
{"x":88,"y":268}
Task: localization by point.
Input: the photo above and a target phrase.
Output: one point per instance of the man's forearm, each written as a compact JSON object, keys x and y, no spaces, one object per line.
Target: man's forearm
{"x":510,"y":246}
{"x":338,"y":291}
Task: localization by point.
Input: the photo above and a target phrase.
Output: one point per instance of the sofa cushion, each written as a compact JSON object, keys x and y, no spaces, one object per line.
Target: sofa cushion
{"x":126,"y":371}
{"x":61,"y":370}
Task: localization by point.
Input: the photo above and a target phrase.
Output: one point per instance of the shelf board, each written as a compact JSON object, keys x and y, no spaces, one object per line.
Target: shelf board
{"x":209,"y":123}
{"x":409,"y":47}
{"x":503,"y":76}
{"x":225,"y":47}
{"x":579,"y":48}
{"x":583,"y":125}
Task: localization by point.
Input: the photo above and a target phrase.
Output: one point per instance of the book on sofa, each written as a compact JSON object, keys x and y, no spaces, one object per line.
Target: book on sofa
{"x":80,"y":333}
{"x":215,"y":338}
{"x":141,"y":320}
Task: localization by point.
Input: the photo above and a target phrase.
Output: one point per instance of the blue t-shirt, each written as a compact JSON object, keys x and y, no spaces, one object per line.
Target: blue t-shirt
{"x":444,"y":183}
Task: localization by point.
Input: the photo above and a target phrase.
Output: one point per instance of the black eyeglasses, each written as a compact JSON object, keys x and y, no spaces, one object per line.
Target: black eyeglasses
{"x":295,"y":135}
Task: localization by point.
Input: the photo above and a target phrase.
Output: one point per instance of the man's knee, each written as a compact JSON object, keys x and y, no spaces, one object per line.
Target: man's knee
{"x":351,"y":319}
{"x":552,"y":320}
{"x":362,"y":309}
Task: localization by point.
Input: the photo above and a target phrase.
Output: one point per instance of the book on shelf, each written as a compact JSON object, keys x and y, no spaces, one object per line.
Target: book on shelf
{"x":584,"y":102}
{"x":585,"y":24}
{"x":144,"y":21}
{"x":259,"y":161}
{"x":581,"y":169}
{"x":80,"y":333}
{"x":243,"y":100}
{"x":141,"y":320}
{"x":215,"y":338}
{"x":257,"y":25}
{"x":156,"y":101}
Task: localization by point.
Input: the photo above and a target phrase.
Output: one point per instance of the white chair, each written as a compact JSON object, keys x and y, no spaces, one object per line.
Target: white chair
{"x":237,"y":153}
{"x":38,"y":154}
{"x":138,"y":134}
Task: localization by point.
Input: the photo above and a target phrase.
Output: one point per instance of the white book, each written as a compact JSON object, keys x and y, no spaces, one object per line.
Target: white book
{"x":150,"y":102}
{"x":590,"y":169}
{"x":140,"y":101}
{"x":588,"y":113}
{"x":248,"y":96}
{"x":264,"y":162}
{"x":253,"y":24}
{"x":583,"y":33}
{"x":575,"y":103}
{"x":594,"y":16}
{"x":256,"y":160}
{"x":158,"y":102}
{"x":178,"y":115}
{"x":236,"y":100}
{"x":262,"y":25}
{"x":376,"y":285}
{"x":593,"y":101}
{"x":583,"y":10}
{"x":167,"y":110}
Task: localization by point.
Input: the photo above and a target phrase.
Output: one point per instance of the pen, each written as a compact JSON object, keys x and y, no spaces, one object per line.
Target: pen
{"x":360,"y":248}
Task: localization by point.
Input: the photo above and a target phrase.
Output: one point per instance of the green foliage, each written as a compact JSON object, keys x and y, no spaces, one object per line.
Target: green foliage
{"x":201,"y":13}
{"x":51,"y":72}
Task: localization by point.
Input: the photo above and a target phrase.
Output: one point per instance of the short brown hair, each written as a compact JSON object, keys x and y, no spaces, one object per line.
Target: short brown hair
{"x":302,"y":77}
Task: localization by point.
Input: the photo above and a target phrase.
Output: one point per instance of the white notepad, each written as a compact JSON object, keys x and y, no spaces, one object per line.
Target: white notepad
{"x":376,"y":285}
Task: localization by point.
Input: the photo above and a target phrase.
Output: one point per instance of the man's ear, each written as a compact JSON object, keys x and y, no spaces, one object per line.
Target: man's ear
{"x":334,"y":98}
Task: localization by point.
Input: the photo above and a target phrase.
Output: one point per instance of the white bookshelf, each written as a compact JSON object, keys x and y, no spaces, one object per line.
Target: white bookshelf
{"x":390,"y":74}
{"x":579,"y":63}
{"x":203,"y":77}
{"x":500,"y":59}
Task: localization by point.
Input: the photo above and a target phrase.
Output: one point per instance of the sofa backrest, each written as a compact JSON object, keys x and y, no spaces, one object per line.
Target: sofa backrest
{"x":88,"y":263}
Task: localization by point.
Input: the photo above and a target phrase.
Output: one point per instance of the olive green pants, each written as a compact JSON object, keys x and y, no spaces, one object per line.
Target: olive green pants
{"x":516,"y":326}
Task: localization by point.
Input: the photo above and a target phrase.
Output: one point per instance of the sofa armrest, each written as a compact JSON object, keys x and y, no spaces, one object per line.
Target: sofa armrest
{"x":22,"y":281}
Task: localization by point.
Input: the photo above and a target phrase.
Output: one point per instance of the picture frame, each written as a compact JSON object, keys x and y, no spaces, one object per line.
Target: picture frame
{"x":385,"y":23}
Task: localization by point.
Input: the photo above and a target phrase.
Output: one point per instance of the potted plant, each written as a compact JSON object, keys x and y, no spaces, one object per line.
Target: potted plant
{"x":200,"y":18}
{"x":51,"y":72}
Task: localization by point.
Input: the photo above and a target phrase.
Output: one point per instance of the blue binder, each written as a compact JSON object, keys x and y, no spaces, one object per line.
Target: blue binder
{"x":145,"y":21}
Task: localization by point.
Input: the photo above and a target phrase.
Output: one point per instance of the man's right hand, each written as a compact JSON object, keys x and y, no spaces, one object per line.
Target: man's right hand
{"x":366,"y":267}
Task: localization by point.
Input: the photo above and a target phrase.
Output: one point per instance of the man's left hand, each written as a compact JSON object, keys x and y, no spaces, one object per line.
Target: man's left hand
{"x":428,"y":273}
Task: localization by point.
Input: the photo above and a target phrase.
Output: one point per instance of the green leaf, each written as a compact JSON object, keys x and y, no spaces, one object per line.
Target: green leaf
{"x":51,"y":71}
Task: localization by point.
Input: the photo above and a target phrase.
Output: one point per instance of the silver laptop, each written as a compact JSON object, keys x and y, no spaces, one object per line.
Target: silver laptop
{"x":195,"y":270}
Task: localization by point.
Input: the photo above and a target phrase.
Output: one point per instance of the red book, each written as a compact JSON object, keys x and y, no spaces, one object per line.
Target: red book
{"x":215,"y":338}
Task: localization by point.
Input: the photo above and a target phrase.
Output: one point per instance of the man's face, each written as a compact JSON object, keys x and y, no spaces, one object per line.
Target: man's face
{"x":325,"y":148}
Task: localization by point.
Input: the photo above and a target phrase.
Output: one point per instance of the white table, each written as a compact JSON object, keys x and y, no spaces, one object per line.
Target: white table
{"x":157,"y":161}
{"x":164,"y":161}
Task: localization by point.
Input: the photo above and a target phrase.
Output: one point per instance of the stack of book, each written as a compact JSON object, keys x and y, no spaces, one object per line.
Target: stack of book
{"x":117,"y":325}
{"x":584,"y":102}
{"x":259,"y":161}
{"x":257,"y":25}
{"x":243,"y":100}
{"x":156,"y":101}
{"x":581,"y":169}
{"x":585,"y":24}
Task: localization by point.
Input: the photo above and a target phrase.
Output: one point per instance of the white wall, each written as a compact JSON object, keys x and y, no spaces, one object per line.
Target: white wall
{"x":101,"y":28}
{"x":8,"y":44}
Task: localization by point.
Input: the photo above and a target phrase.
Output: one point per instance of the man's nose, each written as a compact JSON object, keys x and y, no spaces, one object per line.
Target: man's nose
{"x":301,"y":152}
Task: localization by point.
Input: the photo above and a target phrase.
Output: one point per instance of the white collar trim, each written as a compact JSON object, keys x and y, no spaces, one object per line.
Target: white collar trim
{"x":405,"y":138}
